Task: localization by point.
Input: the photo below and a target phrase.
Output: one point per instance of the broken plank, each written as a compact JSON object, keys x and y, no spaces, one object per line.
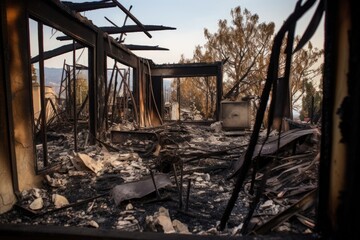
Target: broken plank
{"x":303,"y":204}
{"x":271,"y":146}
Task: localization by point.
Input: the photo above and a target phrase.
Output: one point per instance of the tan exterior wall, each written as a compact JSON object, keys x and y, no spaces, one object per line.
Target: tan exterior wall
{"x":20,"y":87}
{"x":49,"y":93}
{"x":7,"y":196}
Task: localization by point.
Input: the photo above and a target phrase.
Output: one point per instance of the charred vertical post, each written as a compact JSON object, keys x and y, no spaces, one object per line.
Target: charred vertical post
{"x":181,"y":185}
{"x":92,"y":90}
{"x":107,"y":94}
{"x":175,"y":176}
{"x":178,"y":95}
{"x":312,"y":110}
{"x":114,"y":98}
{"x":156,"y":189}
{"x":42,"y":93}
{"x":157,"y":83}
{"x":219,"y":89}
{"x":68,"y":90}
{"x":74,"y":98}
{"x":100,"y":66}
{"x":188,"y":195}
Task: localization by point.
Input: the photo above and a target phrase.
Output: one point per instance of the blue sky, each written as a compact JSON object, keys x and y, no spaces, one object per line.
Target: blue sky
{"x":190,"y":17}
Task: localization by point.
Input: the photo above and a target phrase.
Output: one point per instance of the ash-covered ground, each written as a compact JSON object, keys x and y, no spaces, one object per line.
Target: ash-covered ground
{"x":82,"y":191}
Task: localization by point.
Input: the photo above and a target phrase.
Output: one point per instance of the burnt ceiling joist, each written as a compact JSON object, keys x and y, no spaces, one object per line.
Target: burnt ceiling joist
{"x":57,"y":51}
{"x":79,"y":7}
{"x":132,"y":17}
{"x":54,"y":13}
{"x":139,"y":27}
{"x":186,"y":70}
{"x":88,"y":6}
{"x":134,"y":47}
{"x":135,"y":28}
{"x":125,"y":29}
{"x":70,"y":47}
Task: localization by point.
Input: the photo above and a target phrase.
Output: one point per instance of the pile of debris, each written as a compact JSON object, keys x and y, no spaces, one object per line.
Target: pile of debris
{"x":176,"y":178}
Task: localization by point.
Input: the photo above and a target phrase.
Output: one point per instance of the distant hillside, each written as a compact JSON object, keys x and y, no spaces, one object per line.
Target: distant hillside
{"x":53,"y":78}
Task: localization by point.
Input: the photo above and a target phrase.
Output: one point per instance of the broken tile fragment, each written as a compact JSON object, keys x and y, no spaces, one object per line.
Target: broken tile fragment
{"x":88,"y":162}
{"x":36,"y":192}
{"x":59,"y":201}
{"x":93,"y":224}
{"x":180,"y":227}
{"x":129,"y":207}
{"x":165,"y":223}
{"x":37,"y":204}
{"x":267,"y":204}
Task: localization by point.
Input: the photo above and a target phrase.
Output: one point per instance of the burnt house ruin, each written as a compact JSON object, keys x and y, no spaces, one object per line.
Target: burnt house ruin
{"x":98,"y":158}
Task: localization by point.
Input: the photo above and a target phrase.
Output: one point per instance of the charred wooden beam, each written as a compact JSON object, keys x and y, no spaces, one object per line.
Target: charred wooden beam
{"x":127,"y":12}
{"x":124,"y":23}
{"x":271,"y":146}
{"x":42,"y":93}
{"x":57,"y":51}
{"x":126,"y":29}
{"x":185,"y":70}
{"x":193,"y":70}
{"x":120,"y":53}
{"x":135,"y":28}
{"x":301,"y":205}
{"x":87,"y":6}
{"x":54,"y":14}
{"x":144,"y":47}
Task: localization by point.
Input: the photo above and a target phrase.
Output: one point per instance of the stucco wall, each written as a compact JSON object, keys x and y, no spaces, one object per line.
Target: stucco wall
{"x":7,"y":196}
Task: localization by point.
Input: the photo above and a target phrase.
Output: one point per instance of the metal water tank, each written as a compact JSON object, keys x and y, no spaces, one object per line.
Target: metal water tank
{"x":235,"y":115}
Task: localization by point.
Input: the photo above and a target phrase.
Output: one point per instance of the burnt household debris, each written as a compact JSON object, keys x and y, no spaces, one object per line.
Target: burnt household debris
{"x":115,"y":147}
{"x":175,"y":178}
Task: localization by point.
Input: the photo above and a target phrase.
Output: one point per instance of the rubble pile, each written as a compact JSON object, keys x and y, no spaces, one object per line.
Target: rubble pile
{"x":171,"y":179}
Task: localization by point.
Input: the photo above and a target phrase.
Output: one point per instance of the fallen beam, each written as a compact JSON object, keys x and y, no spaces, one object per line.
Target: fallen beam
{"x":303,"y":204}
{"x":271,"y":146}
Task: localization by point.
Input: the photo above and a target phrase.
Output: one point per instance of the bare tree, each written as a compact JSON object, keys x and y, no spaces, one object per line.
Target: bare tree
{"x":244,"y":45}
